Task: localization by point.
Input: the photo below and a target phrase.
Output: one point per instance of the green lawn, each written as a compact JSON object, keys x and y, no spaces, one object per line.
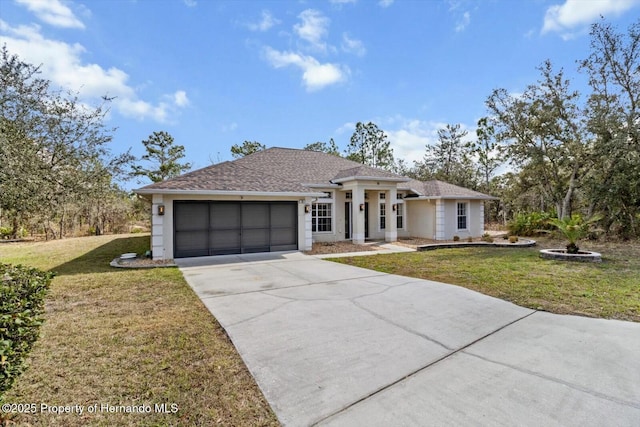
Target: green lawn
{"x":608,"y":290}
{"x":128,"y":337}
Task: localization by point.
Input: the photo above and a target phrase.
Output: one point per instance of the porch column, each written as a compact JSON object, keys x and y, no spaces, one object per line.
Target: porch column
{"x":440,"y":220}
{"x":391,"y":229}
{"x":357,"y":215}
{"x":157,"y":227}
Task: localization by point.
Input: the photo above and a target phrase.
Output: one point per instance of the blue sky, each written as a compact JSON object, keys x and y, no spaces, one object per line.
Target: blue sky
{"x":289,"y":73}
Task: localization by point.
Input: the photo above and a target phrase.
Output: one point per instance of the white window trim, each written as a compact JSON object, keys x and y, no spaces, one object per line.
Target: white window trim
{"x":327,"y":200}
{"x":467,"y":210}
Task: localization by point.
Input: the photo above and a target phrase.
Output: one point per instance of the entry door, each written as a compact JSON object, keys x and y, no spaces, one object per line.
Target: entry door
{"x":347,"y":220}
{"x":348,"y":224}
{"x":366,"y":220}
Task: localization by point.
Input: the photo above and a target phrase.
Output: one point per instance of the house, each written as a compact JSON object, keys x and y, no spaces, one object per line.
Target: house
{"x":286,"y":199}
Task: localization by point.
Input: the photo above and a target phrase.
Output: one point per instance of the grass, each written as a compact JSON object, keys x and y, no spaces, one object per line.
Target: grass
{"x":128,"y":337}
{"x":607,"y":290}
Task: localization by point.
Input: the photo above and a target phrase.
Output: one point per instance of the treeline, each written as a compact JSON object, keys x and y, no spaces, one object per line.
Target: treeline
{"x":564,"y":152}
{"x":57,"y":175}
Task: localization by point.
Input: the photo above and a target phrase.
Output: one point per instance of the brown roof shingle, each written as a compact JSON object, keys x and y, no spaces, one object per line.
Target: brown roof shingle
{"x":287,"y":170}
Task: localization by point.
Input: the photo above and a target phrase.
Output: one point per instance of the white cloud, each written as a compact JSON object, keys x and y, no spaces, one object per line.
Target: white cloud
{"x":53,"y":12}
{"x":62,"y":64}
{"x":313,"y":28}
{"x":315,"y":75}
{"x":190,"y":3}
{"x":385,"y":3}
{"x":411,"y":136}
{"x":265,"y":23}
{"x":463,"y":22}
{"x":352,"y":45}
{"x":340,"y":2}
{"x":180,"y":98}
{"x":575,"y":14}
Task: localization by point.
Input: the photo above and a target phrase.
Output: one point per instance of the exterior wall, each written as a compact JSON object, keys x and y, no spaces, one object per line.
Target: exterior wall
{"x":162,"y":226}
{"x":475,"y":219}
{"x":421,"y":219}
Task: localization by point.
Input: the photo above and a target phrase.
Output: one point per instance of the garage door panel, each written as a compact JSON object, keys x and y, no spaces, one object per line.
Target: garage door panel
{"x":255,"y":240}
{"x":191,"y":243}
{"x":224,"y":216}
{"x":284,"y":236}
{"x":283,"y":215}
{"x":221,"y":227}
{"x":255,"y":215}
{"x":224,"y":241}
{"x":191,"y":216}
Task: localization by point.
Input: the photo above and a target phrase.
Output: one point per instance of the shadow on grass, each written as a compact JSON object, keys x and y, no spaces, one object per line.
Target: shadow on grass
{"x":98,"y":259}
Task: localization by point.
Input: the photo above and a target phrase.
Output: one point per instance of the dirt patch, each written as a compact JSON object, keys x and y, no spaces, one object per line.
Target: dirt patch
{"x":142,"y":263}
{"x":340,"y":247}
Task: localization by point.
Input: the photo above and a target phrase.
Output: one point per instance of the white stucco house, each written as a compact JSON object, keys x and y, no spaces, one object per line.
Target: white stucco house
{"x":286,"y":199}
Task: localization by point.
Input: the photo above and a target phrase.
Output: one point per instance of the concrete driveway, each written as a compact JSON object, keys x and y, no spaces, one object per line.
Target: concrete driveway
{"x":331,"y":344}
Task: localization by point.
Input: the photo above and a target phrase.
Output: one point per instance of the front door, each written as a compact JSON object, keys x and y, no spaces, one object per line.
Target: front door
{"x":348,"y":225}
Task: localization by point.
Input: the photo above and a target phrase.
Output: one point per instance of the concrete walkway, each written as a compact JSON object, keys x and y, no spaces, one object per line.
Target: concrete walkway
{"x":331,"y":344}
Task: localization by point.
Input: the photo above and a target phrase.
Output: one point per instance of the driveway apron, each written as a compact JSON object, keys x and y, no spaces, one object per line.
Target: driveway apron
{"x":331,"y":344}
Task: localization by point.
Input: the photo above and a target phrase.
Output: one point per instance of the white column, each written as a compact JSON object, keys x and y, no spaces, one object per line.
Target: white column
{"x":157,"y":227}
{"x":481,"y":216}
{"x":357,"y":215}
{"x":306,"y":244}
{"x":440,"y":220}
{"x":391,"y":229}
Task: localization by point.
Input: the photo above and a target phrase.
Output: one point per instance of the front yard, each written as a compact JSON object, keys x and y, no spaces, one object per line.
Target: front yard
{"x":607,"y":290}
{"x":131,"y":338}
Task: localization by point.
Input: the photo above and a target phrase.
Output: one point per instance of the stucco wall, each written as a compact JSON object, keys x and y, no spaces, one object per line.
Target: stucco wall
{"x":421,"y":218}
{"x":475,"y":219}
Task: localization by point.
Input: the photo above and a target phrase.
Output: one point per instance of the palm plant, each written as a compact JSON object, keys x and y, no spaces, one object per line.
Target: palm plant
{"x":574,"y":228}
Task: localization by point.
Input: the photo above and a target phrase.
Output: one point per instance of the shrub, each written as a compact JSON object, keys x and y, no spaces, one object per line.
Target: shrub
{"x":574,"y":229}
{"x":456,"y":238}
{"x":469,"y":239}
{"x":22,"y":293}
{"x":513,"y":239}
{"x":487,"y":238}
{"x":530,"y":224}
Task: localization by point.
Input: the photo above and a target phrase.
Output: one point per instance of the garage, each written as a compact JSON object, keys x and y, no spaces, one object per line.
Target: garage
{"x":221,"y":227}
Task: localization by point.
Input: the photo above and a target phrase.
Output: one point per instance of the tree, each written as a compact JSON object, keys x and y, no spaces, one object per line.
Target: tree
{"x":613,"y":188}
{"x":53,"y":148}
{"x":488,"y":152}
{"x":247,"y":147}
{"x":545,"y":134}
{"x":323,"y":147}
{"x":163,"y":156}
{"x":369,"y":145}
{"x":450,"y":158}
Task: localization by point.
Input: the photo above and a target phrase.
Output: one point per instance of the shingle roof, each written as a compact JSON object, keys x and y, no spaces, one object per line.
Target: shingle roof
{"x":286,"y":170}
{"x":441,"y":189}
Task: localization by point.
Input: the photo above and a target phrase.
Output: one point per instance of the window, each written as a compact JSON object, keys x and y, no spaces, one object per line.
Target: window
{"x":321,"y":217}
{"x":400,"y":215}
{"x":348,"y":196}
{"x":399,"y":196}
{"x":383,"y":216}
{"x":462,"y":216}
{"x":383,"y":196}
